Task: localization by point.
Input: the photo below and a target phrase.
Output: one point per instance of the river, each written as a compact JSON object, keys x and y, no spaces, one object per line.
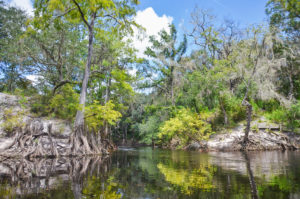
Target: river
{"x":144,"y":173}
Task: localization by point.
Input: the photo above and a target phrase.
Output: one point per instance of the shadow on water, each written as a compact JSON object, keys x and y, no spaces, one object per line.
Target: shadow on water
{"x":153,"y":173}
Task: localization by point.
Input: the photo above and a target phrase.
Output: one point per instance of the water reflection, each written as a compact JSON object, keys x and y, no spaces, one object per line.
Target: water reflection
{"x":147,"y":173}
{"x":251,"y":177}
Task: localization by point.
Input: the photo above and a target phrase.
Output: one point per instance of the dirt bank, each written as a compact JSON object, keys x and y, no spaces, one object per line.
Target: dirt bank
{"x":264,"y":137}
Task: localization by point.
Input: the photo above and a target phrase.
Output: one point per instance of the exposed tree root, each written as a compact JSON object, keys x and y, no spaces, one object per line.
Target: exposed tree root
{"x":35,"y":141}
{"x":255,"y":143}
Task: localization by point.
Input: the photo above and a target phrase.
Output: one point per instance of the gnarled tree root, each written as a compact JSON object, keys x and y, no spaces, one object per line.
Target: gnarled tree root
{"x":33,"y":141}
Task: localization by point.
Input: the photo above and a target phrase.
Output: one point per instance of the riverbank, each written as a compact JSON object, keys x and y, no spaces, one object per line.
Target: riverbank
{"x":51,"y":137}
{"x":260,"y":139}
{"x":25,"y":135}
{"x":262,"y":136}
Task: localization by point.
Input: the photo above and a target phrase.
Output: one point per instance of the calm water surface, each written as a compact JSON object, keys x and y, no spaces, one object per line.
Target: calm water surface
{"x":155,"y":174}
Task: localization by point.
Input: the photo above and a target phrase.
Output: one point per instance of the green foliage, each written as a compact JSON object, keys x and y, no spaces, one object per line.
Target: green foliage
{"x":284,"y":14}
{"x":293,"y":116}
{"x":167,"y":56}
{"x":290,"y":117}
{"x":23,"y":101}
{"x":277,"y":115}
{"x":233,"y":107}
{"x":40,"y":103}
{"x":148,"y":130}
{"x":187,"y":126}
{"x":268,"y":105}
{"x":64,"y":103}
{"x":96,"y":115}
{"x":12,"y":120}
{"x":12,"y":23}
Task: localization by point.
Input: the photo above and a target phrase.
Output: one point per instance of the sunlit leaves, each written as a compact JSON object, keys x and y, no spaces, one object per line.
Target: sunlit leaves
{"x":186,"y":126}
{"x":96,"y":115}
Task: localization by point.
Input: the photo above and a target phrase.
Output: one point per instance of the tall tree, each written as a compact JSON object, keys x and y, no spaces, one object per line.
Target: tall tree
{"x":55,"y":52}
{"x":12,"y":26}
{"x":205,"y":36}
{"x":257,"y":67}
{"x":94,"y":17}
{"x":166,"y":58}
{"x":285,"y":14}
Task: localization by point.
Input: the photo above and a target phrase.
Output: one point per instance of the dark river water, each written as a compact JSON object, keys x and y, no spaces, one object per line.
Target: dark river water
{"x":144,"y":173}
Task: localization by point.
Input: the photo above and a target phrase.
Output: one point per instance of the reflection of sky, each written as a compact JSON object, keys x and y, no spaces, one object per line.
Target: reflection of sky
{"x":263,"y":163}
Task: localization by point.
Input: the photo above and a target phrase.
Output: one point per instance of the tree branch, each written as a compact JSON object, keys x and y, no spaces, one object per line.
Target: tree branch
{"x":60,"y":84}
{"x":113,"y":17}
{"x":82,"y":14}
{"x":63,"y":14}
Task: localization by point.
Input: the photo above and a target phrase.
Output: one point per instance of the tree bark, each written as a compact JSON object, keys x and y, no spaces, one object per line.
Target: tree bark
{"x":291,"y":89}
{"x":79,"y":120}
{"x":248,"y":126}
{"x":107,"y":98}
{"x":172,"y":85}
{"x":225,"y":114}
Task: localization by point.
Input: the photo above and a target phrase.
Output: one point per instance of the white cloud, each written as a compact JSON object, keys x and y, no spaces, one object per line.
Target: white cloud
{"x":23,"y":4}
{"x":33,"y":78}
{"x":153,"y":24}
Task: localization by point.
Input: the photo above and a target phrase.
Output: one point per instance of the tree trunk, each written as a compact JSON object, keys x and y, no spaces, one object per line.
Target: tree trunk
{"x":291,"y":89}
{"x":249,"y":114}
{"x":225,"y":114}
{"x":79,"y":120}
{"x":172,"y":85}
{"x":107,"y":98}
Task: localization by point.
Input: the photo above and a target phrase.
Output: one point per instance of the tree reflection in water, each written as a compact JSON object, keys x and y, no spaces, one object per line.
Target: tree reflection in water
{"x":47,"y":177}
{"x":147,"y":173}
{"x":251,"y":177}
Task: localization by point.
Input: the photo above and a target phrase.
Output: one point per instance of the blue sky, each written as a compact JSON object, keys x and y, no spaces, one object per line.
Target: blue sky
{"x":155,"y":15}
{"x":161,"y":12}
{"x":243,"y":11}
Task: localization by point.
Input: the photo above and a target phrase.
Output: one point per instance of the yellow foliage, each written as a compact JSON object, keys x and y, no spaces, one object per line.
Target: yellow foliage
{"x":56,"y":5}
{"x":96,"y":115}
{"x":187,"y":126}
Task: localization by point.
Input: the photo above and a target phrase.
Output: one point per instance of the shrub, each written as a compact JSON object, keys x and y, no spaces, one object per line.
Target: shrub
{"x":268,"y":105}
{"x":96,"y":115}
{"x":293,"y":116}
{"x":233,"y":107}
{"x":12,"y":120}
{"x":65,"y":103}
{"x":40,"y":103}
{"x":148,"y":130}
{"x":289,"y":117}
{"x":187,"y":126}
